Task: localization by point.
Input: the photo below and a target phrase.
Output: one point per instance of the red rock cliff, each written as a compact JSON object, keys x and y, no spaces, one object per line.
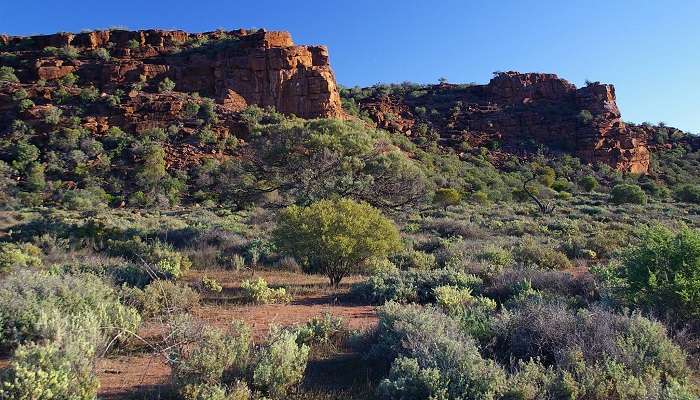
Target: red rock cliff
{"x":516,"y":108}
{"x":238,"y":68}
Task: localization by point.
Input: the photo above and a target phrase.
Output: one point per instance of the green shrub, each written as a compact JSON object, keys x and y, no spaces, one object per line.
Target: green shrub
{"x":25,"y":295}
{"x":85,"y":199}
{"x":334,"y":237}
{"x":257,"y":292}
{"x":17,"y":256}
{"x":474,"y":312}
{"x":280,"y":365}
{"x":51,"y":372}
{"x":552,"y":332}
{"x":163,"y":261}
{"x":7,"y":74}
{"x":588,"y":183}
{"x":208,"y":111}
{"x":496,"y":257}
{"x":451,"y":298}
{"x":688,"y":193}
{"x":562,"y":185}
{"x":407,"y":380}
{"x":25,"y":104}
{"x":411,"y":286}
{"x":212,"y":357}
{"x":191,"y":109}
{"x":53,"y":115}
{"x":69,"y":79}
{"x":448,"y":361}
{"x":166,"y":86}
{"x":89,"y":95}
{"x":445,"y":197}
{"x":414,"y":259}
{"x":211,"y":285}
{"x":203,"y":391}
{"x":162,"y":297}
{"x":102,"y":54}
{"x":530,"y":253}
{"x":69,"y":52}
{"x":627,"y":193}
{"x":133,"y":44}
{"x":20,"y":94}
{"x":321,"y":330}
{"x":662,"y":272}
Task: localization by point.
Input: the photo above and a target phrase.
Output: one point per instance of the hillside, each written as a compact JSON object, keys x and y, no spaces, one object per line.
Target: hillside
{"x":210,"y":216}
{"x":132,"y":116}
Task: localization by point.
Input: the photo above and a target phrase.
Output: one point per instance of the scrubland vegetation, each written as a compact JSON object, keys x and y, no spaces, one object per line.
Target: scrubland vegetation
{"x":479,"y":294}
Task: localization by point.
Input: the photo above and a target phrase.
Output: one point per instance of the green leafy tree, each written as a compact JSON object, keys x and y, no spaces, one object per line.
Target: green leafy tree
{"x":445,"y":197}
{"x":152,"y":168}
{"x":35,"y":180}
{"x":335,"y":237}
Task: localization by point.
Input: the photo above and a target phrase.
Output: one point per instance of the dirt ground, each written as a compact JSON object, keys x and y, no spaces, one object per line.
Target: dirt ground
{"x":144,"y":374}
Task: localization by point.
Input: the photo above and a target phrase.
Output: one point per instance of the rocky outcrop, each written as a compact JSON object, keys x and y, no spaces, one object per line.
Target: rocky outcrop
{"x":516,"y":109}
{"x":238,"y":68}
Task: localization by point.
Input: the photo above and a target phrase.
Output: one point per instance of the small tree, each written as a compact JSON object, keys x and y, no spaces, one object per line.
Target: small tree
{"x":588,"y":183}
{"x":335,"y":237}
{"x":445,"y":197}
{"x":627,"y":193}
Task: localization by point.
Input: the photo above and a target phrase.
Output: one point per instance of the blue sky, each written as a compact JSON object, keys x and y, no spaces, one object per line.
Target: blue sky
{"x":649,"y":49}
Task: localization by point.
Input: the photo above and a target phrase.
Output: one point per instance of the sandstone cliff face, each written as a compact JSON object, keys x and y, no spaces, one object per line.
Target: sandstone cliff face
{"x":238,"y":68}
{"x":514,"y":109}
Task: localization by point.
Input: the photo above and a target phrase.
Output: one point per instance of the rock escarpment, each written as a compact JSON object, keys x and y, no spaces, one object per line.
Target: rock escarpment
{"x":515,"y":110}
{"x":238,"y":68}
{"x":242,"y":68}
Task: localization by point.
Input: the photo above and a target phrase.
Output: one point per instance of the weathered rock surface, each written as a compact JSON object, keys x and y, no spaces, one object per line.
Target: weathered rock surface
{"x":515,"y":109}
{"x":238,"y":68}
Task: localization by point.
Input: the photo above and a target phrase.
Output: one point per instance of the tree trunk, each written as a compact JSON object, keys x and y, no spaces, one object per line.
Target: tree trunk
{"x":335,"y":280}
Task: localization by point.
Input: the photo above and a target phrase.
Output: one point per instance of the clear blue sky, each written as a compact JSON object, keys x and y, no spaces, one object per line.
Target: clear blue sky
{"x":649,"y":49}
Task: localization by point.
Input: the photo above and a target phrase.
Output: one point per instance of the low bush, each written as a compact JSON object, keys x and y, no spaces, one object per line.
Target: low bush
{"x":627,"y":193}
{"x":412,"y":286}
{"x":102,"y":54}
{"x":431,"y":357}
{"x":497,"y":257}
{"x":166,"y":85}
{"x":7,"y":74}
{"x":160,"y":259}
{"x":661,"y":272}
{"x":688,"y":193}
{"x":588,"y":183}
{"x":19,"y":255}
{"x":257,"y":292}
{"x":280,"y":365}
{"x":163,"y":297}
{"x":475,"y":313}
{"x":213,"y":363}
{"x":321,"y":330}
{"x":54,"y":370}
{"x":552,"y":332}
{"x":533,"y":254}
{"x":211,"y":285}
{"x":213,"y":358}
{"x":414,"y":259}
{"x":25,"y":295}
